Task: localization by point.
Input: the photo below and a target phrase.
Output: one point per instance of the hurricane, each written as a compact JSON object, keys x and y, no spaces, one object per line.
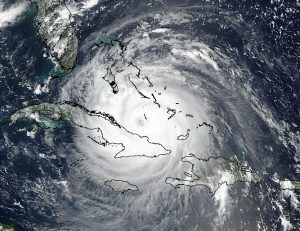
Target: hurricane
{"x":178,"y":115}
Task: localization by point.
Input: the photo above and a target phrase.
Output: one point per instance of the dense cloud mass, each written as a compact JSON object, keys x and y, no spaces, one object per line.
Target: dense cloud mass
{"x":179,"y":115}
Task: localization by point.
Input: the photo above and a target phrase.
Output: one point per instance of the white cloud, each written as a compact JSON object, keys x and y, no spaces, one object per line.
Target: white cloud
{"x":10,"y":14}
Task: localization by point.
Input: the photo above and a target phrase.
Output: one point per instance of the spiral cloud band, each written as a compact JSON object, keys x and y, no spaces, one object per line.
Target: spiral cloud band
{"x":182,"y":112}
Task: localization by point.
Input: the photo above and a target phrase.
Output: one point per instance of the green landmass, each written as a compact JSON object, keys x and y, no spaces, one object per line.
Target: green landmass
{"x":55,"y":25}
{"x":296,"y":185}
{"x":55,"y":115}
{"x":46,"y":115}
{"x":6,"y":227}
